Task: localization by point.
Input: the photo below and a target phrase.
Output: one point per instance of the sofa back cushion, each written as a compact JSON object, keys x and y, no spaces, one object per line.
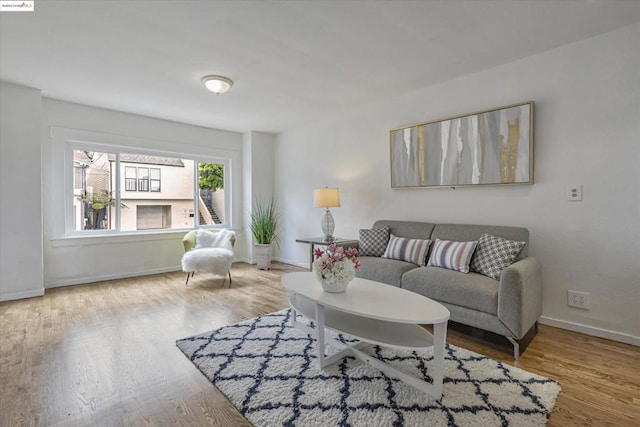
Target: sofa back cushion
{"x":468,"y":232}
{"x":413,"y":230}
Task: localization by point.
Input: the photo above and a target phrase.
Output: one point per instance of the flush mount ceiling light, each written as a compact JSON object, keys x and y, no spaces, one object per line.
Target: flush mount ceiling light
{"x":217,"y":84}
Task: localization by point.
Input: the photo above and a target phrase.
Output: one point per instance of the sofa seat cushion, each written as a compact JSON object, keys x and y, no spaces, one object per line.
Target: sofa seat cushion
{"x":383,"y":270}
{"x":472,"y":290}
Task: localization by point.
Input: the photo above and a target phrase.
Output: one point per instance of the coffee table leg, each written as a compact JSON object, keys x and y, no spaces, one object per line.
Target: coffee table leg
{"x":439,"y":342}
{"x":320,"y":331}
{"x":293,"y":301}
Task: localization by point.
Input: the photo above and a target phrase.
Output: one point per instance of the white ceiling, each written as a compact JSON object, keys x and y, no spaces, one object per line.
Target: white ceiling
{"x":292,"y":61}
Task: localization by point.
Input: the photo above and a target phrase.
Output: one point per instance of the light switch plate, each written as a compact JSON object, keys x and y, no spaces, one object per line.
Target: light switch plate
{"x":574,"y":193}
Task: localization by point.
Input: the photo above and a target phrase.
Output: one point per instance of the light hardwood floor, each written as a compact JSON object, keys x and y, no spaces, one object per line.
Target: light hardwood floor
{"x":104,"y":354}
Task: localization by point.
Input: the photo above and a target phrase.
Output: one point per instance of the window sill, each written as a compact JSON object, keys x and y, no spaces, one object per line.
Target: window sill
{"x":130,"y":237}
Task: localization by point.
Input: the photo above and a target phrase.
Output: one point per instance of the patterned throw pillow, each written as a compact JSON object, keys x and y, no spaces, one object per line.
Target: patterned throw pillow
{"x":409,"y":250}
{"x":494,"y":254}
{"x":373,"y":242}
{"x":452,"y":255}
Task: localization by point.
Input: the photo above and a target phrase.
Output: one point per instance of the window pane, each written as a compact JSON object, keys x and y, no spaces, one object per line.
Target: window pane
{"x":155,"y":192}
{"x":211,"y":207}
{"x":130,"y":174}
{"x":78,"y":177}
{"x":155,"y":180}
{"x":143,"y":179}
{"x":163,"y":204}
{"x":93,"y":198}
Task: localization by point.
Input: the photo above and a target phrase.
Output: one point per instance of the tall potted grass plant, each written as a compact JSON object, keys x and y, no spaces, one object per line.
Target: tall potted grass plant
{"x":264,"y":227}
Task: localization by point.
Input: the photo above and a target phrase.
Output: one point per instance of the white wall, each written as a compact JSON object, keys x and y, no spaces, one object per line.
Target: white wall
{"x":20,"y":193}
{"x":587,"y":131}
{"x":258,"y":174}
{"x":86,"y":259}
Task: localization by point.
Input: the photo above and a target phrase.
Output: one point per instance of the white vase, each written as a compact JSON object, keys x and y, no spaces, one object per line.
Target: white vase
{"x":334,"y":287}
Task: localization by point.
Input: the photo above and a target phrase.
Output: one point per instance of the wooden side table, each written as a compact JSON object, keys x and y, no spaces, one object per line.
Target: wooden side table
{"x":319,"y":241}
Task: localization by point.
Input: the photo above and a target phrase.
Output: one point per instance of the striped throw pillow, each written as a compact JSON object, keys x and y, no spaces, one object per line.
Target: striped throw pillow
{"x":452,"y":255}
{"x":409,"y":250}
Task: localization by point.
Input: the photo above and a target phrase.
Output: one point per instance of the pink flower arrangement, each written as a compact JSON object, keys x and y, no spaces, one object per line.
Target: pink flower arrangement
{"x":336,"y":264}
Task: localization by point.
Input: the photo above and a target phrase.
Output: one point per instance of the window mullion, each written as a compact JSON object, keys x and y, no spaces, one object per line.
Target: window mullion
{"x":196,"y":196}
{"x":117,"y":191}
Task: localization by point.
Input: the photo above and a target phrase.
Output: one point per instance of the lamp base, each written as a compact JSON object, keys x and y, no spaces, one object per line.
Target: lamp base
{"x":328,"y":225}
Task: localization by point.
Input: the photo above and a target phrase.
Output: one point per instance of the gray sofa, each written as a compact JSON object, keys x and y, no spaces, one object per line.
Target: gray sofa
{"x":509,"y":307}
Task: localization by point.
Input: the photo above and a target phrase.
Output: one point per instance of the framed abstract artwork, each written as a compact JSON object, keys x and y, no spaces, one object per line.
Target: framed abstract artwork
{"x":486,"y":148}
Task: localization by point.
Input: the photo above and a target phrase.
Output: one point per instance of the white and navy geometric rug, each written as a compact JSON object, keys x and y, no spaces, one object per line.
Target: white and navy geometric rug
{"x":268,"y":370}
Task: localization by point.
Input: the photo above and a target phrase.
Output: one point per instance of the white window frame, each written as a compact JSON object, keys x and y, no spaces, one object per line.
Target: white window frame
{"x":71,"y":145}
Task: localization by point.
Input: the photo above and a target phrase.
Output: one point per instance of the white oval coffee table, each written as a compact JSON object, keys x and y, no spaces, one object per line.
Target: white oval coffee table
{"x":375,"y":313}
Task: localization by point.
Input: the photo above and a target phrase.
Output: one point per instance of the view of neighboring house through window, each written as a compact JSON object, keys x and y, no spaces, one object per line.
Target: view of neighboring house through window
{"x":211,"y":190}
{"x":143,"y":179}
{"x":92,"y":191}
{"x":154,"y":180}
{"x":156,"y":192}
{"x":130,"y":178}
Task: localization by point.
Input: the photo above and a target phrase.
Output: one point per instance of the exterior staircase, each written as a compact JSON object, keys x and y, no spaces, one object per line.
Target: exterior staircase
{"x":207,"y":215}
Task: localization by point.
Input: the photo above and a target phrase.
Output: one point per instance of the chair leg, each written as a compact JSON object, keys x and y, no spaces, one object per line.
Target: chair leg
{"x":189,"y":274}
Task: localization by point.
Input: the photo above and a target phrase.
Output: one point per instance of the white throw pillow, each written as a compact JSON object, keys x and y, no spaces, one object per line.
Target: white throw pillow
{"x":218,"y":239}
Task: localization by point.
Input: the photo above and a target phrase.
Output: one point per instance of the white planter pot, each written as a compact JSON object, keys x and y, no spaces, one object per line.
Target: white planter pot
{"x":263,"y":256}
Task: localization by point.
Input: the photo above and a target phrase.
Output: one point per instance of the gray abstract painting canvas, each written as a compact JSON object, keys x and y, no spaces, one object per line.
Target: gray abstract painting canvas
{"x":490,"y":147}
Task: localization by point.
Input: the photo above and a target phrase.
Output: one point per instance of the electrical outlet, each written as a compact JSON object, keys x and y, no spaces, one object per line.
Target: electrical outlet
{"x":578,"y":299}
{"x":574,"y":193}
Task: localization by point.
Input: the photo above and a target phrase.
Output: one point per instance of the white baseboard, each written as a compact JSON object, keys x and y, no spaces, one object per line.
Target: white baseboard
{"x":291,"y":262}
{"x":120,"y":275}
{"x":21,"y":295}
{"x":590,"y":330}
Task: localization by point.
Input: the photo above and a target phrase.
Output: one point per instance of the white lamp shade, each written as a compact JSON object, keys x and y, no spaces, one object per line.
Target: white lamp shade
{"x":326,"y":198}
{"x":217,"y":84}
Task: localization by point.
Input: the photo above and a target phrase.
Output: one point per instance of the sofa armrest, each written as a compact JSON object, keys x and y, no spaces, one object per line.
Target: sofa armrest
{"x":520,"y":295}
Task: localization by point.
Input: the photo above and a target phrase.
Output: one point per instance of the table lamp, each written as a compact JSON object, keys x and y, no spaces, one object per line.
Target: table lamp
{"x":327,"y":198}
